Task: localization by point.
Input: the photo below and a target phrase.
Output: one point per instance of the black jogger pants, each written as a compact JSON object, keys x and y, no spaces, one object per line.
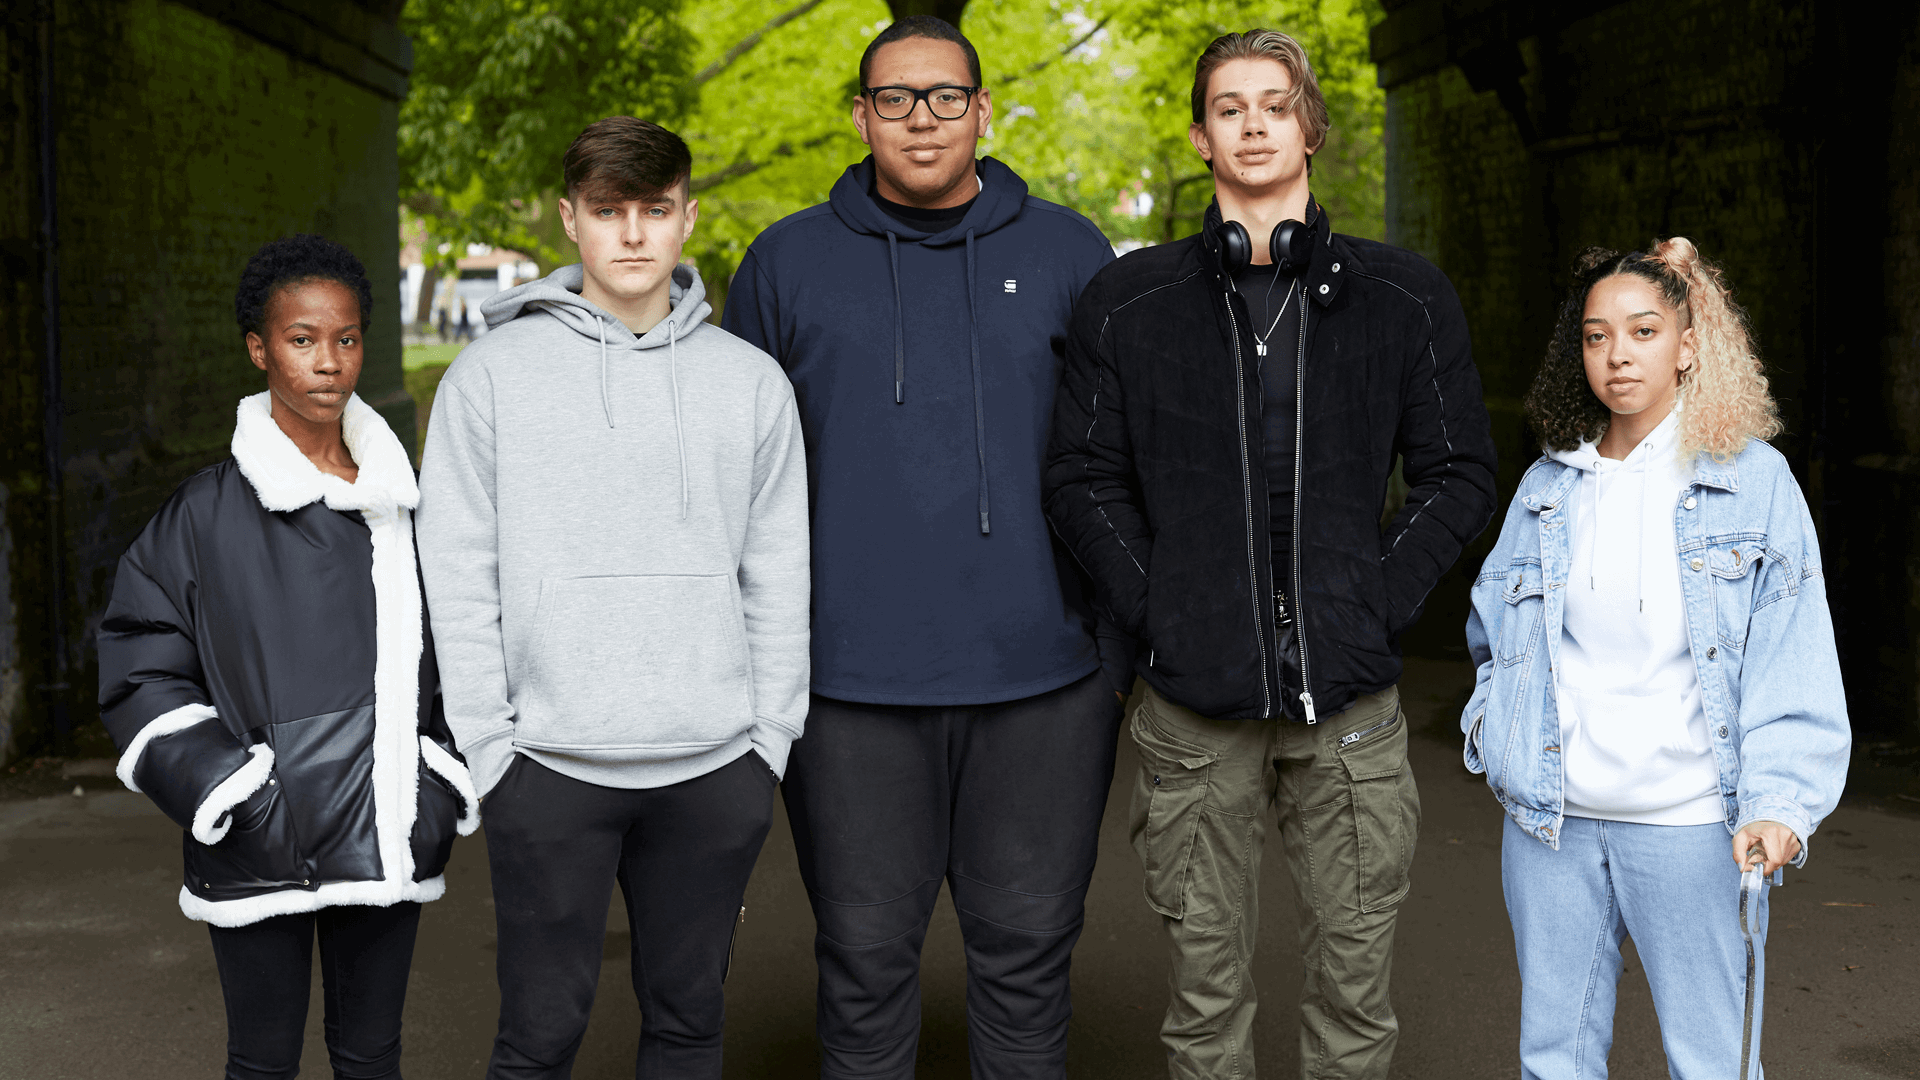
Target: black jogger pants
{"x":1001,"y":801}
{"x":682,"y":855}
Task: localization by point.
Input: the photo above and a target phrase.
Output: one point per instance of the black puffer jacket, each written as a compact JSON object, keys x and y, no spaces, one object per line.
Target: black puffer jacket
{"x":266,"y":672}
{"x":1155,"y":473}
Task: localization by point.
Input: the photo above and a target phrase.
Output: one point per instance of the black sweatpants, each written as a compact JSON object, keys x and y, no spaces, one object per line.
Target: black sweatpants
{"x":682,"y":855}
{"x":266,"y":969}
{"x":1001,"y":801}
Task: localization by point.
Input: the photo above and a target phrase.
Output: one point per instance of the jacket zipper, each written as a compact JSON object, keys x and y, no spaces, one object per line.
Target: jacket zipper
{"x":1354,"y":737}
{"x":1299,"y":445}
{"x":1246,"y":488}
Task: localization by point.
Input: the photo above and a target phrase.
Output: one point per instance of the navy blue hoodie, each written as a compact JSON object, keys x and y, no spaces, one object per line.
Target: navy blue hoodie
{"x":924,"y":367}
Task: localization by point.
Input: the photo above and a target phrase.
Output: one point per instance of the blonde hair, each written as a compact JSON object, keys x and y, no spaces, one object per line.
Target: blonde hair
{"x":1723,"y":398}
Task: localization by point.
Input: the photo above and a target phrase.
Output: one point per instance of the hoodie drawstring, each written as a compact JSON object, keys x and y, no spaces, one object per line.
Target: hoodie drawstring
{"x":673,"y":374}
{"x":679,"y":438}
{"x":606,"y":402}
{"x":899,"y":329}
{"x":979,"y":394}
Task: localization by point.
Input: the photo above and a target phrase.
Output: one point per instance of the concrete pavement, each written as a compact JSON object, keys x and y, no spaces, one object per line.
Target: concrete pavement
{"x":101,"y":977}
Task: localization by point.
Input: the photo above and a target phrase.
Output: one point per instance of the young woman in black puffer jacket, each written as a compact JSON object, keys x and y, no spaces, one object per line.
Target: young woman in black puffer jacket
{"x":266,"y":671}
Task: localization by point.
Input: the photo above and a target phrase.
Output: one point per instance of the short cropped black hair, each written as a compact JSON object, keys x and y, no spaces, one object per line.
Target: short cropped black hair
{"x":296,"y":260}
{"x":622,"y":158}
{"x":920,"y":26}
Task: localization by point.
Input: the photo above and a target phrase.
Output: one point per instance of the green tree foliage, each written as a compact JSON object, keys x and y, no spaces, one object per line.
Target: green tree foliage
{"x":500,"y":87}
{"x":1090,"y":105}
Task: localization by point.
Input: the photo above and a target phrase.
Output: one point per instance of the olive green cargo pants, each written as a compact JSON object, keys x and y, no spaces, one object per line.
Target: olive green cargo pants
{"x":1348,"y":812}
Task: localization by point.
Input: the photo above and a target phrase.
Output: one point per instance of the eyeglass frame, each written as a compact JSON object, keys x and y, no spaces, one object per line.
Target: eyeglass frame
{"x":919,"y":96}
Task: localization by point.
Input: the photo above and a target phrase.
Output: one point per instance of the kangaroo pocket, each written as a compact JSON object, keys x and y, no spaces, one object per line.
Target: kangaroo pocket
{"x":1635,"y":751}
{"x":640,"y":667}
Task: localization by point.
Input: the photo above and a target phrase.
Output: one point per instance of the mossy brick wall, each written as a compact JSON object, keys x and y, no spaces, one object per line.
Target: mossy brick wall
{"x":182,"y":141}
{"x":1780,"y":137}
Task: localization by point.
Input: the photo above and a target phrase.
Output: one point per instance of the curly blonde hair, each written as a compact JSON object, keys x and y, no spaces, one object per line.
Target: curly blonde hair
{"x":1723,"y":397}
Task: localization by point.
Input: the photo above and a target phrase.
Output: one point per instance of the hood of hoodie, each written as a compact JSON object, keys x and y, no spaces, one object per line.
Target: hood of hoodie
{"x":558,"y":294}
{"x":1660,"y":448}
{"x":1002,"y":194}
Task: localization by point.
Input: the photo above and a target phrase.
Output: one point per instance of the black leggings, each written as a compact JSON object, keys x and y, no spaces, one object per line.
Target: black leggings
{"x":267,"y":967}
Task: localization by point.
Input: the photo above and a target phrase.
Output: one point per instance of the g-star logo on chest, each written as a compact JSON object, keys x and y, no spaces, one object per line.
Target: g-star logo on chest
{"x":1010,"y":285}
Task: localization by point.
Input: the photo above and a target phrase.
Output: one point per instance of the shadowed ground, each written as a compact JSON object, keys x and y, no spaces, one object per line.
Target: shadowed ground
{"x":100,"y":975}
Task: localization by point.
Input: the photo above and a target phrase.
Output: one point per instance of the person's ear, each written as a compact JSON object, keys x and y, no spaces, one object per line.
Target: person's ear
{"x":1197,"y":135}
{"x":983,"y":126}
{"x":1689,"y":351}
{"x":861,"y":119}
{"x":566,"y":218}
{"x":693,"y":215}
{"x":257,"y":350}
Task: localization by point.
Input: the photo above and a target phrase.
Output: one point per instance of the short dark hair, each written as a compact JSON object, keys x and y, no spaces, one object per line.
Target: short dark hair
{"x":622,"y":158}
{"x":297,"y":260}
{"x":920,"y":26}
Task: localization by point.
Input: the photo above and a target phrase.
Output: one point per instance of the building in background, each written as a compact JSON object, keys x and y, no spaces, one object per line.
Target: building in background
{"x":427,"y":294}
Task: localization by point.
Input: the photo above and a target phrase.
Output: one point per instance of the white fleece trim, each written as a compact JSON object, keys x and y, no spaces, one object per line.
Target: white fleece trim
{"x":208,"y":826}
{"x":396,"y":688}
{"x":284,"y":479}
{"x":171,"y":722}
{"x":435,"y":757}
{"x":252,"y":909}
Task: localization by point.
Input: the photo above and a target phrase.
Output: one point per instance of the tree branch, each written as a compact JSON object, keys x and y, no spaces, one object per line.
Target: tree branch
{"x":743,"y":167}
{"x":746,"y":44}
{"x":1039,"y":66}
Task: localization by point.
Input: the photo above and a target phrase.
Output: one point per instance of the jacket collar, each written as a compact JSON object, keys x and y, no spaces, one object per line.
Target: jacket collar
{"x":285,"y":480}
{"x":1326,"y":274}
{"x":1724,"y":475}
{"x":1556,"y":490}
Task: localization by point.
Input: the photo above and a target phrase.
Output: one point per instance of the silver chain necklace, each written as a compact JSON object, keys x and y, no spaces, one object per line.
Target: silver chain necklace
{"x":1260,"y":340}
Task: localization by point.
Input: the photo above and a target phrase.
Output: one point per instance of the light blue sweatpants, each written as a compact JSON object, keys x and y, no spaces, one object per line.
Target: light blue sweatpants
{"x":1676,"y":891}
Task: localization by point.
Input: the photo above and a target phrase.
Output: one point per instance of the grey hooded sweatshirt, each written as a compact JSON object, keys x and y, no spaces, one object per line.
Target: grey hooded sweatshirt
{"x":613,"y":533}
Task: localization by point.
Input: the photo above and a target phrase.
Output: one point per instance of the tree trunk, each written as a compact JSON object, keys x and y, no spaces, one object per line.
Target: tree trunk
{"x":949,"y":10}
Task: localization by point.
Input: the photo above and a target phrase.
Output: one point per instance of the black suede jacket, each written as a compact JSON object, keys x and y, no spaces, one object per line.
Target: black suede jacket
{"x":1155,"y":475}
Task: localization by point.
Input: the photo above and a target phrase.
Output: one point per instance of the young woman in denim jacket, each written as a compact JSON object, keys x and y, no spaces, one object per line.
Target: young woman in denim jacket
{"x":1656,"y":666}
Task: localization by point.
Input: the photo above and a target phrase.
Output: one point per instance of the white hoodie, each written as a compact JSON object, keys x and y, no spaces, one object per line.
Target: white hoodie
{"x":1633,"y":734}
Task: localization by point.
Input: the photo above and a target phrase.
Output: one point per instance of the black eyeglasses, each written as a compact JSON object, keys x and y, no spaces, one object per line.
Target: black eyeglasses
{"x":898,"y":102}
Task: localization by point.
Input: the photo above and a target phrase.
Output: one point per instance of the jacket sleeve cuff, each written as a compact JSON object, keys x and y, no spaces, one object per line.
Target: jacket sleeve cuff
{"x":448,"y":768}
{"x":773,"y":742}
{"x":167,"y":723}
{"x":487,"y":759}
{"x":214,"y":818}
{"x":1784,"y":811}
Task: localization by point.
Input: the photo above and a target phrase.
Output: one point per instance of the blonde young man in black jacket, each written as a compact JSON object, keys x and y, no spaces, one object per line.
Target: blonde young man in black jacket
{"x":1229,"y":415}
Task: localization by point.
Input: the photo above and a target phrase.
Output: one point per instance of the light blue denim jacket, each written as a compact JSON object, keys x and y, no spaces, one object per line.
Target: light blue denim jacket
{"x":1762,"y":642}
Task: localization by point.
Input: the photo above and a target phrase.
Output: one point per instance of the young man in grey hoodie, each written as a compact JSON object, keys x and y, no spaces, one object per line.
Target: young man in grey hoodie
{"x":613,"y":532}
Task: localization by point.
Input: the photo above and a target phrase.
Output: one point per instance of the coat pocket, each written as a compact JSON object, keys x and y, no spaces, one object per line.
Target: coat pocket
{"x":1386,"y":809}
{"x":436,"y":813}
{"x":650,"y":659}
{"x":1167,"y":810}
{"x":258,"y":852}
{"x":1525,"y":597}
{"x":1733,"y":572}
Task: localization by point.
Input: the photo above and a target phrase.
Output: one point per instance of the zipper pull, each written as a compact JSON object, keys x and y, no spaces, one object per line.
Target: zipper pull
{"x":1260,"y":348}
{"x":1306,"y":698}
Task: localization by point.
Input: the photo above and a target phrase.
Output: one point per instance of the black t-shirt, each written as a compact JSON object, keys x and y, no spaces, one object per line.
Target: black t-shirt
{"x":928,"y":221}
{"x":1273,"y":309}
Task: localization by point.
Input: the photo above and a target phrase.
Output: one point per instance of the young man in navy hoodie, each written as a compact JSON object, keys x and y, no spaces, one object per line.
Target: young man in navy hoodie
{"x":962,"y":726}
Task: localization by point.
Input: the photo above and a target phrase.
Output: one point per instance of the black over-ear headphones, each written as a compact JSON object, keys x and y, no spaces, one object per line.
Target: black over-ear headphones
{"x":1291,"y":246}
